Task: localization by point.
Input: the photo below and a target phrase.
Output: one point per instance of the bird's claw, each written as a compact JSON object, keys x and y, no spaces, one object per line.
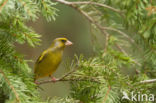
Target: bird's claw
{"x":36,"y":82}
{"x":53,"y":79}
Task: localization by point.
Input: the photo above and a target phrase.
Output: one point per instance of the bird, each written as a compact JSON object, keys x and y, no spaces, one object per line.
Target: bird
{"x":49,"y":60}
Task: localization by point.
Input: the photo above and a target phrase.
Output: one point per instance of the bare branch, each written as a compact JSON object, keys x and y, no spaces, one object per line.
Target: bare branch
{"x":69,"y":80}
{"x":91,"y":20}
{"x":106,"y":42}
{"x":68,"y":74}
{"x":147,"y":81}
{"x":120,"y":32}
{"x":97,"y":4}
{"x":12,"y":88}
{"x":123,"y":34}
{"x":121,"y":49}
{"x":91,"y":3}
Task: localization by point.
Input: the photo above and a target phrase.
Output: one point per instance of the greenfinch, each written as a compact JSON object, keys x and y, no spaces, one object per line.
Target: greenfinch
{"x":50,"y":59}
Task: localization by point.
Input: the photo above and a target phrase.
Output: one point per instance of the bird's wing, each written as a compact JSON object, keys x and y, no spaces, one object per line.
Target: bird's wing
{"x":41,"y":57}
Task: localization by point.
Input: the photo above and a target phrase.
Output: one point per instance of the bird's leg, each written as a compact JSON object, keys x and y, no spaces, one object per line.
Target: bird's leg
{"x":36,"y":82}
{"x":52,"y":78}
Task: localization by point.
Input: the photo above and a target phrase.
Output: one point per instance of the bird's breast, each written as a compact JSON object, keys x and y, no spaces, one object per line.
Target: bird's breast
{"x":55,"y":58}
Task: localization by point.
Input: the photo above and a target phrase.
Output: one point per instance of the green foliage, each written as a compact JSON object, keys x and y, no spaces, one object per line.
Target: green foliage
{"x":90,"y":91}
{"x":131,"y":48}
{"x":47,"y":9}
{"x":136,"y":19}
{"x":17,"y":73}
{"x":63,"y":100}
{"x":111,"y":81}
{"x":103,"y":78}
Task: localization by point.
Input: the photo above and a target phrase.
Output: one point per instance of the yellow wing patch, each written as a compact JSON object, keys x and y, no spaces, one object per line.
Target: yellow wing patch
{"x":41,"y":56}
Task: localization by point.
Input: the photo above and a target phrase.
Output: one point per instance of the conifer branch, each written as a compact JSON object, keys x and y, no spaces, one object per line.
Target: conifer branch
{"x":24,"y":6}
{"x":96,"y":71}
{"x":11,"y":86}
{"x":4,"y":3}
{"x":108,"y":91}
{"x":63,"y":78}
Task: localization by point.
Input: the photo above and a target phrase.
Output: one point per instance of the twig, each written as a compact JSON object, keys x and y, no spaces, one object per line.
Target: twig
{"x":106,"y":42}
{"x":125,"y":53}
{"x":123,"y":34}
{"x":120,"y":32}
{"x":97,"y":4}
{"x":13,"y":89}
{"x":60,"y":79}
{"x":97,"y":25}
{"x":70,"y":79}
{"x":90,"y":19}
{"x":148,"y":81}
{"x":121,"y":49}
{"x":24,"y":4}
{"x":89,"y":2}
{"x":108,"y":91}
{"x":4,"y":3}
{"x":68,"y":74}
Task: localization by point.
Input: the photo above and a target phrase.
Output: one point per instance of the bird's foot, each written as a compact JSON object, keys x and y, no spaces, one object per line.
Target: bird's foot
{"x":53,"y":79}
{"x":36,"y":82}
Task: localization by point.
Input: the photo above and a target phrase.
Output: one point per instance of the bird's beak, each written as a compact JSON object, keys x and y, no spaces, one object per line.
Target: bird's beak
{"x":68,"y":43}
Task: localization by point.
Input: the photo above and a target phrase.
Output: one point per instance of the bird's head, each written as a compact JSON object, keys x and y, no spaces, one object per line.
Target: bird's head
{"x":60,"y":43}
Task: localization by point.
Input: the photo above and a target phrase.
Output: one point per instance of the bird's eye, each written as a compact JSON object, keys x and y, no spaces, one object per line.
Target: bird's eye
{"x":63,"y":41}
